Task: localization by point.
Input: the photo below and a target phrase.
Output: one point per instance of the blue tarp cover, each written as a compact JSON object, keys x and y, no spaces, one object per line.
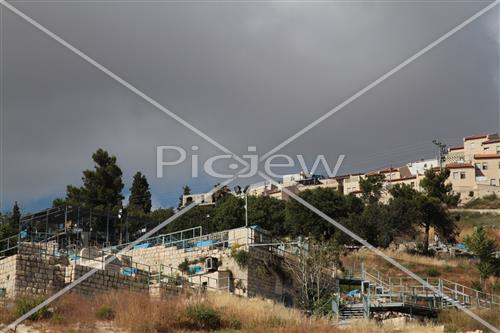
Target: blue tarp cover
{"x":353,"y":292}
{"x":195,"y":269}
{"x":129,"y":271}
{"x":204,"y":243}
{"x":141,"y":246}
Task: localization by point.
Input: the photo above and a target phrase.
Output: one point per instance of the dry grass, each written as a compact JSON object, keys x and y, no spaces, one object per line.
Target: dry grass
{"x":469,"y":220}
{"x":460,"y":270}
{"x":136,"y":313}
{"x":457,"y":321}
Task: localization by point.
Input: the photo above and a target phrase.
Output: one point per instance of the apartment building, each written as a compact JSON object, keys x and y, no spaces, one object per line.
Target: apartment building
{"x":475,"y":166}
{"x":474,"y":172}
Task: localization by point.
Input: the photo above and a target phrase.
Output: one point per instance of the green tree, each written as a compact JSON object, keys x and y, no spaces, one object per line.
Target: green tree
{"x":201,"y":215}
{"x":102,"y":186}
{"x":186,"y":190}
{"x":299,"y":220}
{"x":268,"y":213}
{"x":221,"y":193}
{"x":229,"y":213}
{"x":140,"y":196}
{"x":372,"y":224}
{"x":15,"y":218}
{"x":434,"y":214}
{"x":435,"y":185}
{"x":403,"y":211}
{"x":484,"y":248}
{"x":371,"y":187}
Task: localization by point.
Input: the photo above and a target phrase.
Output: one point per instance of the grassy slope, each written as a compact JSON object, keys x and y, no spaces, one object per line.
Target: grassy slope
{"x":469,"y":220}
{"x":460,"y":270}
{"x":139,"y":313}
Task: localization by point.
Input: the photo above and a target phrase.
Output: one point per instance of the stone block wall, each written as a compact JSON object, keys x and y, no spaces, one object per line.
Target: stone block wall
{"x":8,"y":274}
{"x":36,"y":275}
{"x":267,"y":276}
{"x":28,"y":248}
{"x":105,"y":280}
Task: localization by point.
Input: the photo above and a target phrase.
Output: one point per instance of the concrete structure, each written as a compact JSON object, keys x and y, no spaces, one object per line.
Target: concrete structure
{"x":42,"y":269}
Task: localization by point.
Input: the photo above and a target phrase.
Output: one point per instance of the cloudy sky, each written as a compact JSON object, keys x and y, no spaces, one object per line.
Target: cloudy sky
{"x":245,"y":73}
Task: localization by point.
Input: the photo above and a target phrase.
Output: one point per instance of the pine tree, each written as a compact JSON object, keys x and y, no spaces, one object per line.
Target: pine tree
{"x":16,"y":215}
{"x":186,"y":190}
{"x":140,"y":196}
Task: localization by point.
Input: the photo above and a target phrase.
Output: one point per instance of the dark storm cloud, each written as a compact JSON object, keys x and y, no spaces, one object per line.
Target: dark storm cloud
{"x":245,"y":74}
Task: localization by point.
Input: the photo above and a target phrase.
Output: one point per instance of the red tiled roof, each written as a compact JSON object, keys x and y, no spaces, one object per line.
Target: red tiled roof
{"x":456,"y":148}
{"x":491,"y":141}
{"x":387,"y":170}
{"x":475,"y":137}
{"x":459,"y":166}
{"x":485,"y":156}
{"x":340,"y":177}
{"x":403,"y":178}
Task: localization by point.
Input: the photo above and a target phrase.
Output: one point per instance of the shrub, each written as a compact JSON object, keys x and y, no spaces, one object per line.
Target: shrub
{"x":242,"y":258}
{"x":203,"y":317}
{"x":105,"y":312}
{"x":184,"y":266}
{"x":57,"y":319}
{"x":433,"y":272}
{"x":25,"y":304}
{"x":235,"y":247}
{"x":476,"y":285}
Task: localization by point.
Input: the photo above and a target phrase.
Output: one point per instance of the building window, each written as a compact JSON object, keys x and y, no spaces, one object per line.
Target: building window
{"x":412,"y":184}
{"x":493,"y":182}
{"x":462,"y":174}
{"x":485,"y":165}
{"x":498,"y":149}
{"x":478,"y":166}
{"x":486,"y":148}
{"x":499,"y":165}
{"x":455,"y":175}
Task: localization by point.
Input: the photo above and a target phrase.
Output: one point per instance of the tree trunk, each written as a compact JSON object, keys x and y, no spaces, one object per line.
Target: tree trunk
{"x":426,"y":240}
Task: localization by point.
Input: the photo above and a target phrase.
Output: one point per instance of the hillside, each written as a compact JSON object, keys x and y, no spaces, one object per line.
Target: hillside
{"x":126,"y":312}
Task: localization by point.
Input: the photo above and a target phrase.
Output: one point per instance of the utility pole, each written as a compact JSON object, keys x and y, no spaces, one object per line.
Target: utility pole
{"x":246,"y":210}
{"x":441,"y":152}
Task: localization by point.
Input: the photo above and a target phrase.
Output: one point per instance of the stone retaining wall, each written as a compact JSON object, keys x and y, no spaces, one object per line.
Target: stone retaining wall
{"x":105,"y":280}
{"x":36,"y":275}
{"x":8,"y":274}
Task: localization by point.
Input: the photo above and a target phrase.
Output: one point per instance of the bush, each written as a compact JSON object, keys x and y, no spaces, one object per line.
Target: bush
{"x":476,"y":285}
{"x":57,"y":319}
{"x":25,"y":304}
{"x":203,"y":317}
{"x":105,"y":312}
{"x":184,"y":266}
{"x":242,"y":258}
{"x":433,"y":272}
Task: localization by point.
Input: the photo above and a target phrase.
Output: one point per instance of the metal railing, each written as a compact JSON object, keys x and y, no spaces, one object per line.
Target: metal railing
{"x":448,"y":293}
{"x":163,"y":239}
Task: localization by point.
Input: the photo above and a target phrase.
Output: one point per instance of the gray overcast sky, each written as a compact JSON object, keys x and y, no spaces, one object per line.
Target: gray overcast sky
{"x":246,"y":74}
